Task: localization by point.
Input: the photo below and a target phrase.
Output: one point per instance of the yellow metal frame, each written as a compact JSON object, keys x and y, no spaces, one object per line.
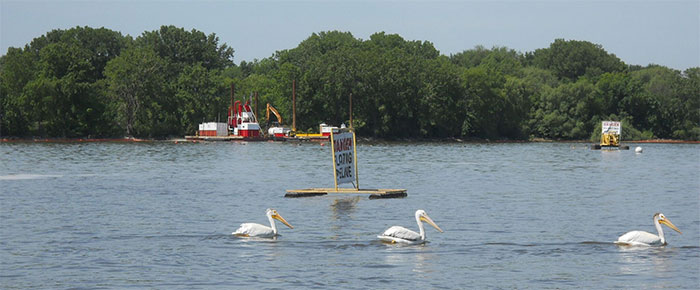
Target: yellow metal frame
{"x":354,"y":148}
{"x":313,"y":135}
{"x":608,"y":139}
{"x":335,"y":174}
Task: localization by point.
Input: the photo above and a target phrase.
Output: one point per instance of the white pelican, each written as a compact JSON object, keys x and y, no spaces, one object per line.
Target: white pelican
{"x":641,"y":238}
{"x":397,"y":234}
{"x":260,"y":231}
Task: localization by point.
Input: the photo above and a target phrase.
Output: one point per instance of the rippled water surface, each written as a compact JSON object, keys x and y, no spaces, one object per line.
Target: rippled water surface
{"x":160,"y":215}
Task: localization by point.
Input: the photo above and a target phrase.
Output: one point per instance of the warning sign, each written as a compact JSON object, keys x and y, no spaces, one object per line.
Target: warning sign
{"x":611,"y":127}
{"x":344,"y":157}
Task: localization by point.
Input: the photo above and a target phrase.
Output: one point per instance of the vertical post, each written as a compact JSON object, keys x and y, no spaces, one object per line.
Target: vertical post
{"x":230,"y":109}
{"x":294,"y":107}
{"x":335,"y":173}
{"x":354,"y":158}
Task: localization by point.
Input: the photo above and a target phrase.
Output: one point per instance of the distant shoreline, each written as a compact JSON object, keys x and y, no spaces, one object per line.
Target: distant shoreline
{"x":70,"y":140}
{"x":362,"y":139}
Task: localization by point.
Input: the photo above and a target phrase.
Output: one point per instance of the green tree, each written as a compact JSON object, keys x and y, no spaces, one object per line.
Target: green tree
{"x":198,"y":97}
{"x":500,"y":59}
{"x":572,"y":59}
{"x":135,"y":79}
{"x":52,"y":86}
{"x":192,"y":66}
{"x":438,"y":99}
{"x":485,"y":102}
{"x":17,"y":68}
{"x":178,"y":48}
{"x":565,"y":112}
{"x":658,"y":100}
{"x":95,"y":82}
{"x":688,"y":91}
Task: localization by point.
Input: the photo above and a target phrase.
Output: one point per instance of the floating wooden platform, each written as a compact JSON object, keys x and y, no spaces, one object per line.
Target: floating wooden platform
{"x":373,"y":193}
{"x":599,"y":147}
{"x":224,"y":138}
{"x":299,"y":138}
{"x":261,"y":138}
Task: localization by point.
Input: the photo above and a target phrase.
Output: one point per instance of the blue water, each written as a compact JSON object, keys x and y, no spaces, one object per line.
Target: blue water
{"x":160,"y":215}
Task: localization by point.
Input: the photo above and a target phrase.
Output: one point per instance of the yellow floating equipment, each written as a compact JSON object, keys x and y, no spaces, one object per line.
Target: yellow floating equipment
{"x":609,"y":139}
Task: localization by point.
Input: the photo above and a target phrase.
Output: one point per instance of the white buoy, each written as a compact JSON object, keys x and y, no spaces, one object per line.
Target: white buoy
{"x":638,"y":149}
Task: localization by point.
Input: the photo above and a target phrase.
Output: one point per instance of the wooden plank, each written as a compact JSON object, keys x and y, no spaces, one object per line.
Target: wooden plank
{"x":374,"y":193}
{"x":601,"y":147}
{"x":395,"y":194}
{"x":303,"y":194}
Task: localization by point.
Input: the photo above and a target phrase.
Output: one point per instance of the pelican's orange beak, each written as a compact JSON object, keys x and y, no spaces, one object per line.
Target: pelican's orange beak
{"x":430,"y":221}
{"x":280,"y":218}
{"x":669,"y":224}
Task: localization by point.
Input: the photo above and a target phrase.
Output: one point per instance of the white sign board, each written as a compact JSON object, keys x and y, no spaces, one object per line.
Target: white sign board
{"x":343,"y":157}
{"x":612,"y":127}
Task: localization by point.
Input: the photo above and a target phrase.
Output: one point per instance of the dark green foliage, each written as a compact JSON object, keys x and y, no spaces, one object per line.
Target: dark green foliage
{"x":53,"y":87}
{"x":96,"y":82}
{"x":572,"y":59}
{"x":135,"y":83}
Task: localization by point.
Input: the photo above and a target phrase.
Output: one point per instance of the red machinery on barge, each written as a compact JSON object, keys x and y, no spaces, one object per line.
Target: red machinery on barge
{"x":242,"y":125}
{"x":242,"y":121}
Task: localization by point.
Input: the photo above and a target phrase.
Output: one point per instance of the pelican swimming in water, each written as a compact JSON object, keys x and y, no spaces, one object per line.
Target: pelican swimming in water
{"x":260,"y":231}
{"x":397,"y":234}
{"x":641,"y":238}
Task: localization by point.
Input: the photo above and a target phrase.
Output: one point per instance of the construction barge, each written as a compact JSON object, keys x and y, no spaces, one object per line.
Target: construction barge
{"x":224,"y":138}
{"x":243,"y":125}
{"x":213,"y":131}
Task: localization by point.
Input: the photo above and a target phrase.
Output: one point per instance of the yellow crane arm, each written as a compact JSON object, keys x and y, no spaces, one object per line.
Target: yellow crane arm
{"x":274,"y":111}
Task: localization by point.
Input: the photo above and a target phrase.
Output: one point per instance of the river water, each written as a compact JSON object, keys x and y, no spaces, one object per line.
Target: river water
{"x":160,"y":215}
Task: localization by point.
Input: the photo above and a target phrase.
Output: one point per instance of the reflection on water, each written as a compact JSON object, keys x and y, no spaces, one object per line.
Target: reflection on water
{"x":655,"y":266}
{"x":343,"y":207}
{"x":636,"y":260}
{"x":343,"y":221}
{"x":27,"y":176}
{"x":423,"y":262}
{"x":420,"y":257}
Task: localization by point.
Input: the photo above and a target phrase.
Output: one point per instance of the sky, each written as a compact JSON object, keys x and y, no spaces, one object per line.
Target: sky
{"x":639,"y":32}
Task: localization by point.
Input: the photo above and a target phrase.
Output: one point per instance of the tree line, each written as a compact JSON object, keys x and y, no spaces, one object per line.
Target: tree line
{"x":95,"y":82}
